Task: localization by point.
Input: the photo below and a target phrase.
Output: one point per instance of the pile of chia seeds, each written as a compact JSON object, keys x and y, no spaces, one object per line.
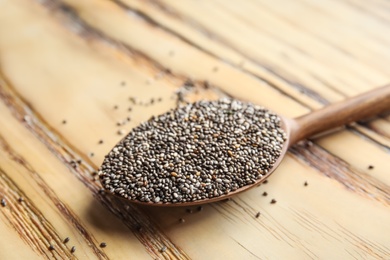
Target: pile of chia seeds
{"x":197,"y":151}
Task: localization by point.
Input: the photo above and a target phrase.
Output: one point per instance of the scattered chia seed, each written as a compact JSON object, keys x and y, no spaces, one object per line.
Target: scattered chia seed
{"x":265,"y":193}
{"x":63,"y":122}
{"x":257,"y":215}
{"x":189,"y":211}
{"x":182,"y":220}
{"x":121,"y":132}
{"x":103,"y":244}
{"x":73,"y":249}
{"x":370,"y":167}
{"x":91,"y":154}
{"x":197,"y":151}
{"x":265,"y":182}
{"x":130,"y":109}
{"x":51,"y":247}
{"x":163,"y":249}
{"x":66,"y":240}
{"x":273,"y":201}
{"x":73,"y":163}
{"x":100,"y":141}
{"x":206,"y":84}
{"x":305,"y":184}
{"x":20,"y":199}
{"x":200,"y":208}
{"x":26,"y":118}
{"x":188,"y":83}
{"x":3,"y":202}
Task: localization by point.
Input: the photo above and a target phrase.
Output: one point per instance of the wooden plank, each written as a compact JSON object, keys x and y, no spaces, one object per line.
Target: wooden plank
{"x":66,"y":203}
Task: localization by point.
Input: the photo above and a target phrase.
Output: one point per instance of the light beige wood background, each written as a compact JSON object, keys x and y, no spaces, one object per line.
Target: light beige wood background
{"x":75,"y":60}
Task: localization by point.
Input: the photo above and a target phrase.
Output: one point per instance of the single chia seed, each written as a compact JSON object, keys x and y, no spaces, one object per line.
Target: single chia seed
{"x":103,"y":244}
{"x":66,"y":240}
{"x":257,"y":215}
{"x":197,"y":151}
{"x":3,"y":202}
{"x":73,"y":249}
{"x":273,"y":201}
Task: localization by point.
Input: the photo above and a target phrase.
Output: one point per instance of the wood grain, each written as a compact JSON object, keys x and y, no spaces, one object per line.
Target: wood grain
{"x":90,"y":62}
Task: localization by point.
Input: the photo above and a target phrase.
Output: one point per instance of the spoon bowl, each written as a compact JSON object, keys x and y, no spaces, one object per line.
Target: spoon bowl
{"x":352,"y":109}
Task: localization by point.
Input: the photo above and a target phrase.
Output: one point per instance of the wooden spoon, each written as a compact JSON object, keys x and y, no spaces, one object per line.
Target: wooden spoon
{"x":352,"y":109}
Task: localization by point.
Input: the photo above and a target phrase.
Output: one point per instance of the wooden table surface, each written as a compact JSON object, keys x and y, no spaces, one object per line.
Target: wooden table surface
{"x":72,"y":70}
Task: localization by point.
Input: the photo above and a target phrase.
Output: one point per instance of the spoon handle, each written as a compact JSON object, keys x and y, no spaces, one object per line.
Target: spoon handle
{"x":352,"y":109}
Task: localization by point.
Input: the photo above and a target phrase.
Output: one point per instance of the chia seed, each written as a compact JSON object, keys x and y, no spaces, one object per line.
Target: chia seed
{"x":73,"y":249}
{"x":66,"y":240}
{"x":3,"y":202}
{"x":103,"y":244}
{"x":257,"y":215}
{"x":197,"y":151}
{"x":163,"y":249}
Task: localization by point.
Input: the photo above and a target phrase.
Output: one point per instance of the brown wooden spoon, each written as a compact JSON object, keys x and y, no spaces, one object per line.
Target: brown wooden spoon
{"x":352,"y":109}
